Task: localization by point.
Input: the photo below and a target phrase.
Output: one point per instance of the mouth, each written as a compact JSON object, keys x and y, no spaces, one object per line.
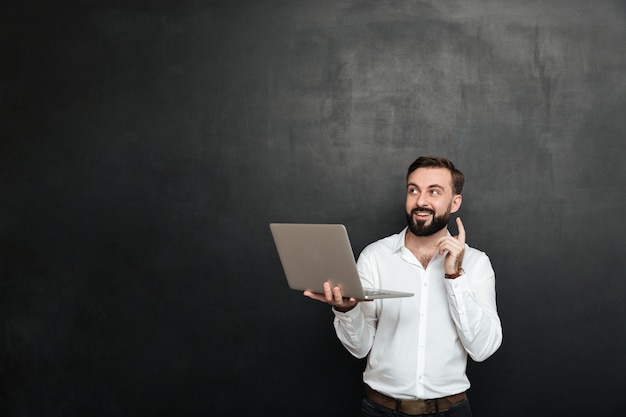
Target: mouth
{"x":422,"y":214}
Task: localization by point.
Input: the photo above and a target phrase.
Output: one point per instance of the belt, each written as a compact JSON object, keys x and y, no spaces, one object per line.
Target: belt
{"x":414,"y":407}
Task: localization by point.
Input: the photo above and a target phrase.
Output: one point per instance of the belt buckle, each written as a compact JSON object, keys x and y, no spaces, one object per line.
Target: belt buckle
{"x":414,"y":408}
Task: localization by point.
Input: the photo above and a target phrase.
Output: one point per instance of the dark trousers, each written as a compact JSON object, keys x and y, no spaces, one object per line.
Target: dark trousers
{"x":370,"y":409}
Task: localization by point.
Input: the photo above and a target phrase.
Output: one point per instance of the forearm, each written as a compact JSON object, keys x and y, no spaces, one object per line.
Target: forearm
{"x":474,"y":313}
{"x":353,"y":331}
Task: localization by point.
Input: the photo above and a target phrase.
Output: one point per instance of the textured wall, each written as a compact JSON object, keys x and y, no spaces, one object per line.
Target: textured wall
{"x":146,"y":146}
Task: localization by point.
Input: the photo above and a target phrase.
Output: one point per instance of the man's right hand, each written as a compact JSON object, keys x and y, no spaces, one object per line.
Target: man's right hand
{"x":332,"y":295}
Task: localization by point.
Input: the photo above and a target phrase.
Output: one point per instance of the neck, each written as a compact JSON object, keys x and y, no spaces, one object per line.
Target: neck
{"x":423,"y":247}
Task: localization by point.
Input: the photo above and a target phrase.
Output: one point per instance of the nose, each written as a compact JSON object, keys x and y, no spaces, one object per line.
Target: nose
{"x":421,"y":200}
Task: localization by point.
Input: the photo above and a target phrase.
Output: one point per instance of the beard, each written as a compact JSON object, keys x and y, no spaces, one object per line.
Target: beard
{"x":419,"y":228}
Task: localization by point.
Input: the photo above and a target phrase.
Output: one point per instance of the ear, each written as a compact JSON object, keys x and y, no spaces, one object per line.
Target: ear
{"x":456,"y":203}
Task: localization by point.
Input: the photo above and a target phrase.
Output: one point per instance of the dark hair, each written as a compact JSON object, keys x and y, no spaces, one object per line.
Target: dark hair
{"x":458,"y":179}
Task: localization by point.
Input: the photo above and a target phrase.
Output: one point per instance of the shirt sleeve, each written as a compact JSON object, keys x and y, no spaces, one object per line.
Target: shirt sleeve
{"x":472,"y":304}
{"x":356,"y":328}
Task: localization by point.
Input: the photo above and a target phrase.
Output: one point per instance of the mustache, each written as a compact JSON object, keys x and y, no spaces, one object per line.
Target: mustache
{"x":422,"y":209}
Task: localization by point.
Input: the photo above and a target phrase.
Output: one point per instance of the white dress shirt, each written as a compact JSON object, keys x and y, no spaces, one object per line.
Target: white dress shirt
{"x":417,"y":347}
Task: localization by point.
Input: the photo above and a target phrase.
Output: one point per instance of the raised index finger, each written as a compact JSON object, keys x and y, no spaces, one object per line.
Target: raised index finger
{"x":461,"y":236}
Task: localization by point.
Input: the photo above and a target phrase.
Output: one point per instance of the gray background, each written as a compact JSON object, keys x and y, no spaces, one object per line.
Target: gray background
{"x":146,"y":145}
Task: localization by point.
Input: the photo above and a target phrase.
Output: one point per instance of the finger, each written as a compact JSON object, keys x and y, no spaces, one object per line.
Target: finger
{"x":447,"y":241}
{"x":450,"y":245}
{"x":315,"y":296}
{"x":439,"y":244}
{"x":338,"y":298}
{"x":328,"y":291}
{"x":461,"y":236}
{"x":452,"y":248}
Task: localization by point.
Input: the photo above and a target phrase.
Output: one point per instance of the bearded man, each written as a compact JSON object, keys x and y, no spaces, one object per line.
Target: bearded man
{"x":417,"y":347}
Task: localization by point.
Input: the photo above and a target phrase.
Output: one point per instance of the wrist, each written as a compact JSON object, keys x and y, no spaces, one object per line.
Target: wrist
{"x":455,"y":275}
{"x":343,"y":309}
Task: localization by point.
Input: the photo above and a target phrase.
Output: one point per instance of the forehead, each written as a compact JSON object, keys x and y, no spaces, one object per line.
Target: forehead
{"x":428,"y":177}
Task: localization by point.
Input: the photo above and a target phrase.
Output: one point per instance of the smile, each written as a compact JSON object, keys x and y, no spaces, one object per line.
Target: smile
{"x":422,"y":212}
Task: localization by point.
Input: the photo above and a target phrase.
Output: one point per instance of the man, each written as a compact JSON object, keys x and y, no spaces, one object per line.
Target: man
{"x":417,"y":347}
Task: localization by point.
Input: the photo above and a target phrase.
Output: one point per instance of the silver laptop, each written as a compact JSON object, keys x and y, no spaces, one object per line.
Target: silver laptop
{"x":313,"y":253}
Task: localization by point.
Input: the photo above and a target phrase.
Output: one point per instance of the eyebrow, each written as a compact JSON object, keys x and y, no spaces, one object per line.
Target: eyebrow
{"x":429,"y":186}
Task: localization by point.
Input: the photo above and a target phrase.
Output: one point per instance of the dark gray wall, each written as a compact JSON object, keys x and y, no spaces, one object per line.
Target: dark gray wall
{"x":146,"y":145}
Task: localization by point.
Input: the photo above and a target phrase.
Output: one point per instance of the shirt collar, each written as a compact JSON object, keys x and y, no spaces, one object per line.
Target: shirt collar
{"x":399,"y":243}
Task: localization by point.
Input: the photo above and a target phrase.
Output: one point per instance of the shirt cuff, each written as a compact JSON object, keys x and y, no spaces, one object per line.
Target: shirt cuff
{"x":457,"y":285}
{"x":348,"y":314}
